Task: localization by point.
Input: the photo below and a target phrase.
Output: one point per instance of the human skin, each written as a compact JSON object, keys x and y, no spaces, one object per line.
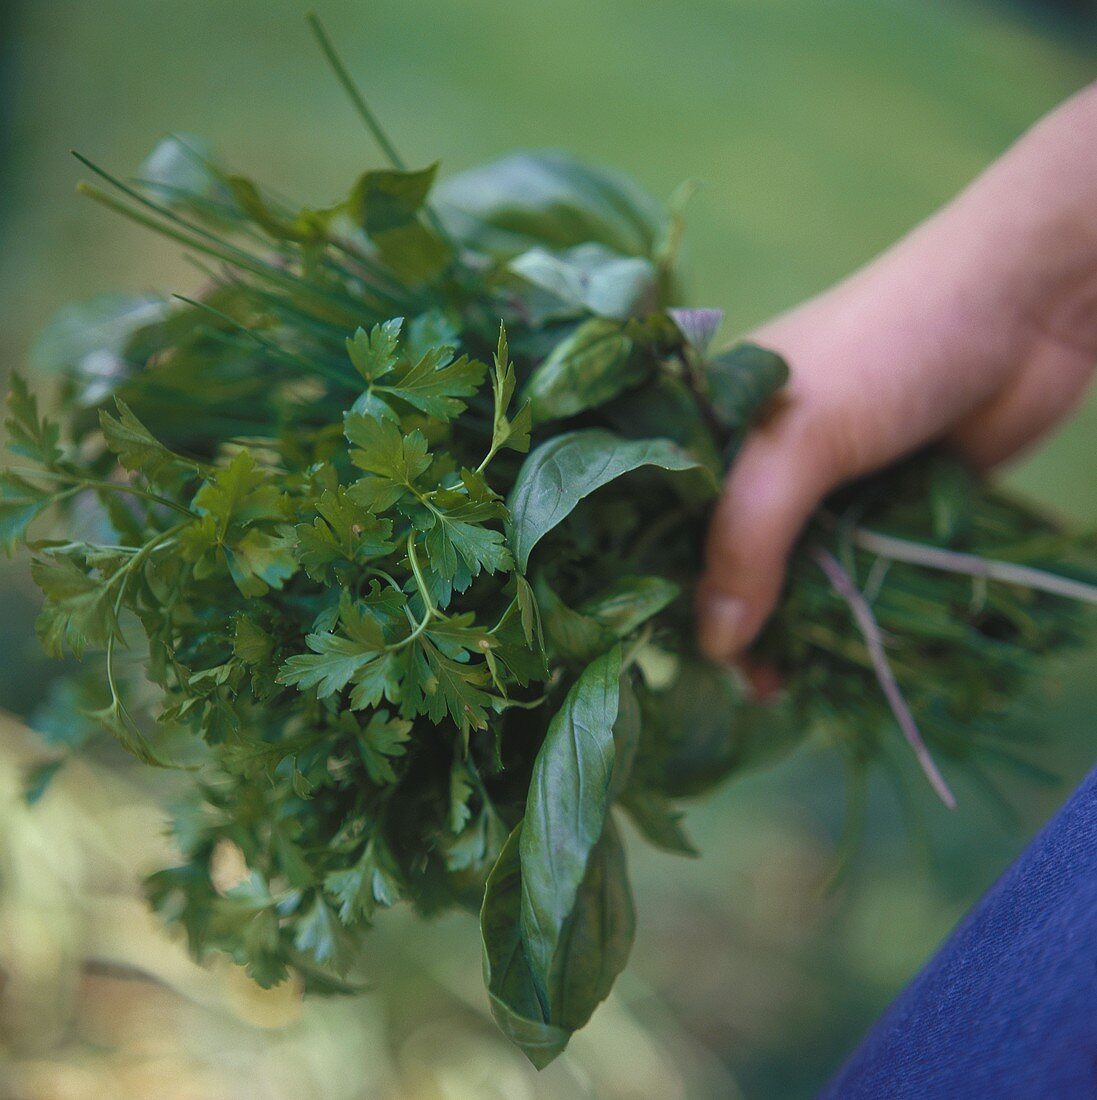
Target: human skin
{"x":978,"y":328}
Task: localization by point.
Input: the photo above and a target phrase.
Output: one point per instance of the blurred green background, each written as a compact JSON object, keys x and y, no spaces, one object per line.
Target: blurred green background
{"x":821,"y":131}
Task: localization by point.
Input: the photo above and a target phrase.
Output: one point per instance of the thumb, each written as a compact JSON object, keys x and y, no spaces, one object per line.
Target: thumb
{"x":778,"y":480}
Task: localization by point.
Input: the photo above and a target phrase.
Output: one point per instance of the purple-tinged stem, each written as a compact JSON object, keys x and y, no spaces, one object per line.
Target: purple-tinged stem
{"x":842,"y":583}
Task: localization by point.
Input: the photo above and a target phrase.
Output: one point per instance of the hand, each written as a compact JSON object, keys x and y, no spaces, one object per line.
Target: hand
{"x":978,"y":328}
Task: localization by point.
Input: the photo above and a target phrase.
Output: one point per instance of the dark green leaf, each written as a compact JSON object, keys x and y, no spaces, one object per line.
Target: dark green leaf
{"x":20,"y":503}
{"x":382,"y":740}
{"x":79,"y":610}
{"x":569,"y":467}
{"x":514,"y":998}
{"x":629,"y":602}
{"x":388,"y":204}
{"x":596,"y":941}
{"x":660,"y":823}
{"x":566,"y":809}
{"x":138,"y":450}
{"x":30,"y":435}
{"x":550,"y":199}
{"x":590,"y":367}
{"x":741,"y":381}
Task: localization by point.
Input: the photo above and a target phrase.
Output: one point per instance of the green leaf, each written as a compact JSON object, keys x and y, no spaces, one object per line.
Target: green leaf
{"x":239,"y":494}
{"x":460,"y":791}
{"x":705,"y":730}
{"x":657,"y":819}
{"x":388,"y":205}
{"x":305,"y":226}
{"x":251,"y":643}
{"x":371,"y":882}
{"x":381,"y":741}
{"x":741,"y":381}
{"x":594,"y":948}
{"x":375,"y":353}
{"x":379,"y":679}
{"x":588,"y":368}
{"x":588,"y":278}
{"x":20,"y":503}
{"x":666,"y":408}
{"x":115,"y":720}
{"x":343,"y":532}
{"x":629,"y":602}
{"x":514,"y":999}
{"x":506,"y":431}
{"x":566,"y":810}
{"x":323,"y":937}
{"x":597,"y":939}
{"x":529,"y":611}
{"x":30,"y":435}
{"x":444,"y":687}
{"x":565,"y":469}
{"x":137,"y":449}
{"x":260,"y":561}
{"x":434,"y":384}
{"x":478,"y":845}
{"x":457,"y":535}
{"x":550,"y":199}
{"x":79,"y":608}
{"x":571,"y":636}
{"x":381,"y":449}
{"x":334,"y":660}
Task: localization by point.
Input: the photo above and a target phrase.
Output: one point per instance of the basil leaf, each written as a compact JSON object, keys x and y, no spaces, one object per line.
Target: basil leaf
{"x":590,"y":367}
{"x":629,"y":602}
{"x":571,"y":636}
{"x":741,"y":380}
{"x":566,"y":808}
{"x":514,"y":1000}
{"x":657,"y":819}
{"x":598,"y":937}
{"x":588,"y":278}
{"x":564,"y":470}
{"x":182,"y":173}
{"x":551,"y":199}
{"x":595,"y":946}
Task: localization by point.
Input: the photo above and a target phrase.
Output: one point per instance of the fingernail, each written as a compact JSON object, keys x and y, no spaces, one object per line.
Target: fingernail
{"x":721,"y":626}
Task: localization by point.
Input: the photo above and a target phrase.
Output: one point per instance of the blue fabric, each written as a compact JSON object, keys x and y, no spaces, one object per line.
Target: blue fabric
{"x":1008,"y":1006}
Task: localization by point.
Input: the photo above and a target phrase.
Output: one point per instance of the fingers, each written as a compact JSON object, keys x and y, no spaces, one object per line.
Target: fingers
{"x":777,"y":482}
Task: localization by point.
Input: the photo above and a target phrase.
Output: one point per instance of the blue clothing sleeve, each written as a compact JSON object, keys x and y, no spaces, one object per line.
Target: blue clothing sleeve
{"x":1008,"y":1006}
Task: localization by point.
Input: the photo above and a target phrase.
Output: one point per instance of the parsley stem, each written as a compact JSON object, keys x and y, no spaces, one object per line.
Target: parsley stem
{"x":431,"y":610}
{"x":165,"y":538}
{"x":526,"y":704}
{"x":81,"y":484}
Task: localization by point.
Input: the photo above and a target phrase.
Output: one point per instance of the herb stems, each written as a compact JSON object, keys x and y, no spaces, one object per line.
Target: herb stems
{"x":842,"y":583}
{"x":972,"y":565}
